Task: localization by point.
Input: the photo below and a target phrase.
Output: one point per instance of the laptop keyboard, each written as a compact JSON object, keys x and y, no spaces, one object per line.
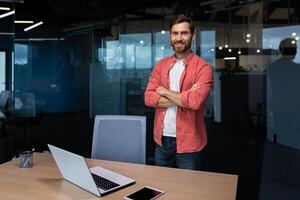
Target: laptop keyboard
{"x":103,"y":183}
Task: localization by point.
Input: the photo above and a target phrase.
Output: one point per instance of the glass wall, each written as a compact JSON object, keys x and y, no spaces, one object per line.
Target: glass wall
{"x":2,"y":69}
{"x":124,"y":66}
{"x":281,"y":154}
{"x":6,"y":44}
{"x":56,"y":72}
{"x":7,"y":35}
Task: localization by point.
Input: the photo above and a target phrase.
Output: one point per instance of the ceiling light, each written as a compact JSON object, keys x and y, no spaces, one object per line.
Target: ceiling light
{"x":229,"y":50}
{"x":141,"y":42}
{"x":230,"y":58}
{"x":33,"y":26}
{"x":293,"y":42}
{"x":23,"y":22}
{"x":258,"y":51}
{"x":45,"y":39}
{"x":39,"y":39}
{"x":7,"y":14}
{"x":297,"y":38}
{"x":239,"y":52}
{"x":247,"y":40}
{"x":226,"y":46}
{"x":4,"y":8}
{"x":6,"y":33}
{"x":294,"y":34}
{"x":162,"y":47}
{"x":212,"y":49}
{"x":248,"y":35}
{"x":220,"y":47}
{"x":163,"y":32}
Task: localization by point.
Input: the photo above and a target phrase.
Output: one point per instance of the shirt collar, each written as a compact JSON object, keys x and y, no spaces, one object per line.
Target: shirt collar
{"x":186,"y":59}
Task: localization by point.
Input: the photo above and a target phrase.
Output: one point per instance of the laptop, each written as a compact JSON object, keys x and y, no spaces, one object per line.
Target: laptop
{"x":96,"y":180}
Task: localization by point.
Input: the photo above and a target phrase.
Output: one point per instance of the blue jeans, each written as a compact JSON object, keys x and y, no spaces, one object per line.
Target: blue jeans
{"x":166,"y":156}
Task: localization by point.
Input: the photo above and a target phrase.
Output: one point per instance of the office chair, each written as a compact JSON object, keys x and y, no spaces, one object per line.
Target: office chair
{"x":4,"y":97}
{"x":4,"y":108}
{"x":120,"y":138}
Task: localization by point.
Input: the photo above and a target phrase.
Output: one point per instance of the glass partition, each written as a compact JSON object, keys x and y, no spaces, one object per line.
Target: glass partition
{"x":2,"y":70}
{"x":55,"y":72}
{"x":7,"y":33}
{"x":281,"y":155}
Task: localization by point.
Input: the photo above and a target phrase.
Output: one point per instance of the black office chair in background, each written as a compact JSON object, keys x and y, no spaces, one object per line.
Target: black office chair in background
{"x":6,"y":140}
{"x":4,"y":97}
{"x":4,"y":109}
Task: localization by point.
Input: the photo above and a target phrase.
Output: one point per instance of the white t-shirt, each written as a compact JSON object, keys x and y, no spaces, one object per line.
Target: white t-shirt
{"x":170,"y":116}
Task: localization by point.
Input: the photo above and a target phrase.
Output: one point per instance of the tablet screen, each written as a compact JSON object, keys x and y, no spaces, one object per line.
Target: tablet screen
{"x":145,"y":194}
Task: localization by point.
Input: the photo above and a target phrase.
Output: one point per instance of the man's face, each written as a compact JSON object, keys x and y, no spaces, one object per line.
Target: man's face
{"x":181,"y":37}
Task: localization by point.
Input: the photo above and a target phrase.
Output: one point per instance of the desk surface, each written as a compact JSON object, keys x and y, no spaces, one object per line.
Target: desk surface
{"x":44,"y":181}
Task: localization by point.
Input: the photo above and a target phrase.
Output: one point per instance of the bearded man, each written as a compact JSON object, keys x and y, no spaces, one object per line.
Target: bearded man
{"x":178,"y":88}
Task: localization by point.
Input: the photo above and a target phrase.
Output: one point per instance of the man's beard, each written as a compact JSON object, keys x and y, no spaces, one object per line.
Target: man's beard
{"x":183,"y":46}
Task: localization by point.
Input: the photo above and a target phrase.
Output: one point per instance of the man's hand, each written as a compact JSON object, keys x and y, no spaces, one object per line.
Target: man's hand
{"x":162,"y":91}
{"x":195,"y":87}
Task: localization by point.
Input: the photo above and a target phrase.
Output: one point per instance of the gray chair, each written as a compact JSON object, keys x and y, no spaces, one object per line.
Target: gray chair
{"x":4,"y":97}
{"x":24,"y":105}
{"x":4,"y":109}
{"x":120,"y":138}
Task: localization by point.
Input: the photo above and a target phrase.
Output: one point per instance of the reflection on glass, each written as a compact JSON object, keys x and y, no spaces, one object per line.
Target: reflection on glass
{"x":207,"y":41}
{"x":161,"y":46}
{"x":21,"y":53}
{"x":281,"y":153}
{"x":121,"y":76}
{"x":113,"y":55}
{"x":273,"y":36}
{"x":283,"y":76}
{"x":136,"y":49}
{"x":2,"y":69}
{"x":56,"y":72}
{"x":207,"y":52}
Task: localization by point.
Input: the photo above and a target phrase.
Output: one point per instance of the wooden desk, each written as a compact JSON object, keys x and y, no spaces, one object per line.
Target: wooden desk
{"x":44,"y":181}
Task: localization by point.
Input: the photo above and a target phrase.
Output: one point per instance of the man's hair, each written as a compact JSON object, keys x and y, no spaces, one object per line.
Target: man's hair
{"x":288,"y":46}
{"x":180,"y":19}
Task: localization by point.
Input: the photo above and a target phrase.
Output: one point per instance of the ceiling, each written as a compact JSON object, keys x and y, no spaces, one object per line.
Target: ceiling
{"x":65,"y":14}
{"x":74,"y":11}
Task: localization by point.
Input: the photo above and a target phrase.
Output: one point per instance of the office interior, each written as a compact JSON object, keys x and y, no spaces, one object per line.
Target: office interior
{"x":89,"y":58}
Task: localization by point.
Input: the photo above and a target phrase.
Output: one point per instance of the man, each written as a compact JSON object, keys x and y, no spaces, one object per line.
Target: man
{"x":283,"y":95}
{"x":178,"y":88}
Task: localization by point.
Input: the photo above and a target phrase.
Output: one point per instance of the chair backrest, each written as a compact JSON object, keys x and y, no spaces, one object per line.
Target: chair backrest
{"x":24,"y":105}
{"x":4,"y":96}
{"x":120,"y":138}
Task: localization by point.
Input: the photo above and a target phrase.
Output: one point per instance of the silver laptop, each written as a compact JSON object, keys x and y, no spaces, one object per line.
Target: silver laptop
{"x":96,"y":180}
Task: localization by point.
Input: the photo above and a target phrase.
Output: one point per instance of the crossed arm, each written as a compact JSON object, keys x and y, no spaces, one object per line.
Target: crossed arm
{"x":170,"y":98}
{"x":193,"y":98}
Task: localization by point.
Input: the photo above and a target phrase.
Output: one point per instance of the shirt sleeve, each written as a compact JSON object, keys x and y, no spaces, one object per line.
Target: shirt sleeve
{"x":151,"y":97}
{"x":196,"y":99}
